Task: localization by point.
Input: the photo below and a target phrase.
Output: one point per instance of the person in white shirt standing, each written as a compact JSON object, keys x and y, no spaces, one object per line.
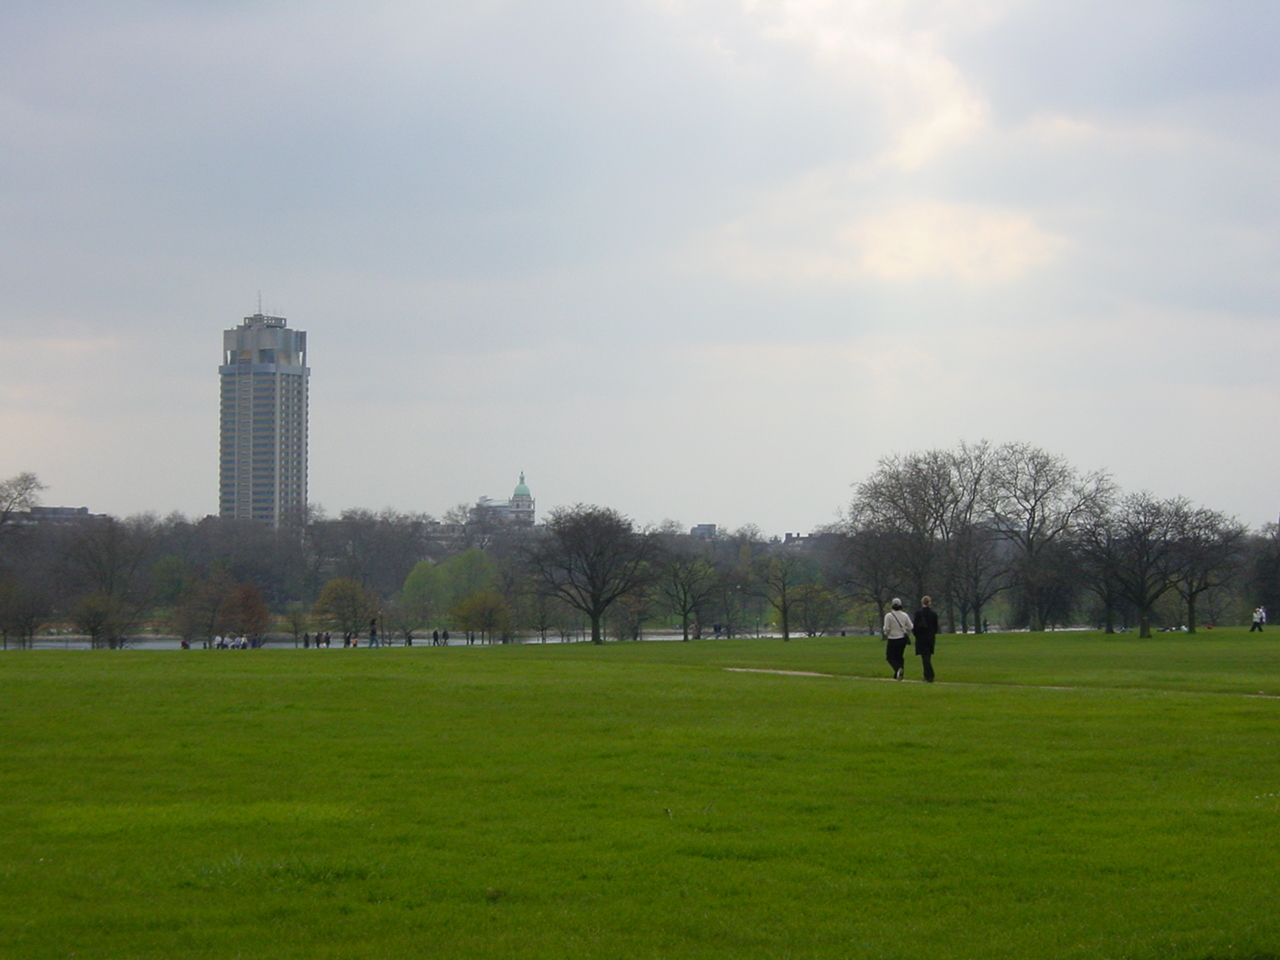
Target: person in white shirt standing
{"x":897,"y":634}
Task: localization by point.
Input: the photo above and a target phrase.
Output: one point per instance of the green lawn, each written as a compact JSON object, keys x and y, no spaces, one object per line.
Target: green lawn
{"x":1052,"y":796}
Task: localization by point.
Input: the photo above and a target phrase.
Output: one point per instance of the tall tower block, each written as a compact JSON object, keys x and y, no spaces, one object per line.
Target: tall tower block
{"x":263,"y":449}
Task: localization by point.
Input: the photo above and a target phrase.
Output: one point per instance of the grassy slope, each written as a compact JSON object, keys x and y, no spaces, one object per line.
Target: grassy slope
{"x":637,"y":800}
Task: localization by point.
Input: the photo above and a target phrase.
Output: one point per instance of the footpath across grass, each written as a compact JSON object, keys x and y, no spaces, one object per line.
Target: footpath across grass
{"x":1053,"y":796}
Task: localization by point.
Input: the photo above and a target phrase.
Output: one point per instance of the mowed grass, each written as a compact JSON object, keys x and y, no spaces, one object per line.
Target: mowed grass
{"x":1052,"y":796}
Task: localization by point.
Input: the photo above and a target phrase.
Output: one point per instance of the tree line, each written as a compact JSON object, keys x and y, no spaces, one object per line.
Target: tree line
{"x":1010,"y":531}
{"x":980,"y":523}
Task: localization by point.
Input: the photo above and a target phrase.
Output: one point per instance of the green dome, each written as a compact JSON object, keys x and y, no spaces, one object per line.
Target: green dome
{"x":521,"y":489}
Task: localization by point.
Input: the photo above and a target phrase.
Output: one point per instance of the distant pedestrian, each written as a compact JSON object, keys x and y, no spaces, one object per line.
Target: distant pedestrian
{"x":435,"y":638}
{"x":897,"y":634}
{"x":925,"y":627}
{"x":444,"y":637}
{"x":1259,"y":618}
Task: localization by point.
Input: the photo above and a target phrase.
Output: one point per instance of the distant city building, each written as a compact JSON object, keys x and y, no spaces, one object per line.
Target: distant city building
{"x":519,"y":509}
{"x":263,"y":461}
{"x":56,"y":515}
{"x":704,"y":531}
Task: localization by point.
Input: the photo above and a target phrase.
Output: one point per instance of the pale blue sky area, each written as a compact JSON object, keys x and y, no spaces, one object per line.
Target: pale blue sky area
{"x":697,"y":259}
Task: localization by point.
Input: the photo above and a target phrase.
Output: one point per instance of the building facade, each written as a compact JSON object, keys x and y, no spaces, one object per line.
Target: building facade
{"x":263,"y":448}
{"x":519,"y":509}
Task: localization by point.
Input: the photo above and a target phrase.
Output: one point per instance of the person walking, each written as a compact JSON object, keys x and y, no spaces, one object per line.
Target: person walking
{"x":897,"y":634}
{"x":1259,"y":618}
{"x":925,"y":627}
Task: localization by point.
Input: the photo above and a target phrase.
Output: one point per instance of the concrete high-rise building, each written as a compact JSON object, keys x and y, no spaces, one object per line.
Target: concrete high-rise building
{"x":263,"y":461}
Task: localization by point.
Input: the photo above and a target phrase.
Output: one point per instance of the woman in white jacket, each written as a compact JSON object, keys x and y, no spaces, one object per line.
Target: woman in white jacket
{"x":897,"y":634}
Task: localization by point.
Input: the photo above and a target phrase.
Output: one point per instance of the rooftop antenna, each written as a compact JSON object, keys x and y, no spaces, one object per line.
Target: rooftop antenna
{"x":259,"y":303}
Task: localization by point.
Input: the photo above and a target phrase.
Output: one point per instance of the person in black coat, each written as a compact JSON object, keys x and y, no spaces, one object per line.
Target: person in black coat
{"x":924,"y":623}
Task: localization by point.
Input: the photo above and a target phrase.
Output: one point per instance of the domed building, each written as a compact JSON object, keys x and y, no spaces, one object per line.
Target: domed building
{"x":520,"y":506}
{"x":519,"y":509}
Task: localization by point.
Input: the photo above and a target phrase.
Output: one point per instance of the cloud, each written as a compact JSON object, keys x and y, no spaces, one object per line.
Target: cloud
{"x":814,"y":231}
{"x":885,"y":51}
{"x":641,"y":249}
{"x":971,"y":244}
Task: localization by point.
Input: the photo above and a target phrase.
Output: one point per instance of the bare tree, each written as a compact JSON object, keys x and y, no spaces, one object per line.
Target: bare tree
{"x":632,"y":611}
{"x":104,"y":619}
{"x":686,"y":580}
{"x":780,"y":577}
{"x":1038,"y":502}
{"x":346,"y":603}
{"x":1262,"y":581}
{"x":106,"y":556}
{"x":1209,"y":549}
{"x":377,"y":549}
{"x":735,"y":603}
{"x":979,"y":571}
{"x":913,"y":496}
{"x":542,"y":614}
{"x":246,"y":611}
{"x":865,"y":564}
{"x":971,"y":570}
{"x":817,"y":609}
{"x":485,"y":612}
{"x":1142,"y":542}
{"x":24,"y":608}
{"x":18,"y":494}
{"x":589,"y":557}
{"x":202,"y":609}
{"x":296,"y":619}
{"x":105,"y":559}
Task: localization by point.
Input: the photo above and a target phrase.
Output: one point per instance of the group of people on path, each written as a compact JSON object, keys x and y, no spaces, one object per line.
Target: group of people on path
{"x":898,"y":630}
{"x":236,"y":643}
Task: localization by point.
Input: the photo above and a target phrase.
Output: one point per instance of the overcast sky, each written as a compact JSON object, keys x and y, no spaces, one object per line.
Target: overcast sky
{"x":706,"y":260}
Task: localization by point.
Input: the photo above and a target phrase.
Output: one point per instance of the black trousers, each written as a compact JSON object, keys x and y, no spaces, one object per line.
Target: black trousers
{"x":926,"y":658}
{"x":894,"y":652}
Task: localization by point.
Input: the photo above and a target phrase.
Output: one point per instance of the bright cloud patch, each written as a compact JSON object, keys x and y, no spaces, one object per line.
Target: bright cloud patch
{"x":812,"y":232}
{"x":879,"y":50}
{"x":972,"y":244}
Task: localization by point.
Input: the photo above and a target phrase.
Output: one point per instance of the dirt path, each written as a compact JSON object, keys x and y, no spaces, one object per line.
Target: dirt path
{"x":967,"y":683}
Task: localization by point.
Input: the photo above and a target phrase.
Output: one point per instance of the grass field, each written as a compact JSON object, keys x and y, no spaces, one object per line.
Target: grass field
{"x":1060,"y":796}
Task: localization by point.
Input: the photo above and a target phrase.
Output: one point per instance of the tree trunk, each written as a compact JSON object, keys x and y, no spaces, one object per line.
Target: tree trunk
{"x":597,"y":635}
{"x":1191,"y":613}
